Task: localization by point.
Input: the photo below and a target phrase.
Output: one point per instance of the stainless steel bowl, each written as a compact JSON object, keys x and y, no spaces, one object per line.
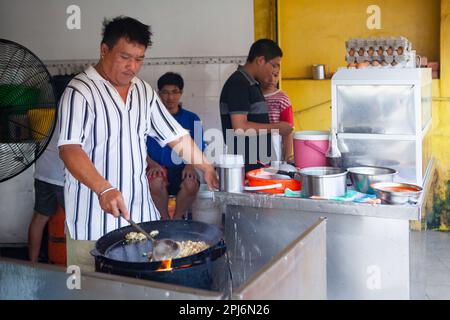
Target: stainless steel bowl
{"x":325,"y":182}
{"x":363,"y":177}
{"x":386,"y":191}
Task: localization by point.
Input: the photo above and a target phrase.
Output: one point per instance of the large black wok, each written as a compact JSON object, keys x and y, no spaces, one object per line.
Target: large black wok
{"x":113,"y":255}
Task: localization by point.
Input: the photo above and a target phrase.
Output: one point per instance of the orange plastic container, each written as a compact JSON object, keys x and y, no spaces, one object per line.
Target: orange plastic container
{"x":57,"y":252}
{"x":171,"y":206}
{"x":257,"y":178}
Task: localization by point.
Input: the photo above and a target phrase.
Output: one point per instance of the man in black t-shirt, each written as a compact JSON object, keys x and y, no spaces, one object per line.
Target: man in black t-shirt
{"x":243,"y":109}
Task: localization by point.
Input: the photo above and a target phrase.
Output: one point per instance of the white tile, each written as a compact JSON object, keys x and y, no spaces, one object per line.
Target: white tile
{"x":221,"y":84}
{"x":181,"y":69}
{"x":212,"y":104}
{"x":146,"y":73}
{"x":190,"y":72}
{"x":212,"y":112}
{"x":159,"y":70}
{"x":226,"y":70}
{"x":193,"y":89}
{"x":207,"y":109}
{"x":177,"y":68}
{"x":212,"y":71}
{"x":196,"y":105}
{"x":211,"y":121}
{"x":201,"y":72}
{"x":212,"y":88}
{"x":153,"y":84}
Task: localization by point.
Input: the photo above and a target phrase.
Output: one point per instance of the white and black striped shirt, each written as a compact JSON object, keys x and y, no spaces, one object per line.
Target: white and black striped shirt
{"x":113,"y":135}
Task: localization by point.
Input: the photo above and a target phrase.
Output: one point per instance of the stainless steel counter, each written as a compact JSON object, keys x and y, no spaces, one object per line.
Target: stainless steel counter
{"x":269,"y":201}
{"x":254,"y":261}
{"x":371,"y":251}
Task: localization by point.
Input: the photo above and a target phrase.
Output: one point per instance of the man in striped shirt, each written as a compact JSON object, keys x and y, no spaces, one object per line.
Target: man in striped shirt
{"x":106,"y":115}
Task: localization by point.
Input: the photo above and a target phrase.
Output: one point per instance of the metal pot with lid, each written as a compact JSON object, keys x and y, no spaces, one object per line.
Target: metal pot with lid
{"x":324,"y":182}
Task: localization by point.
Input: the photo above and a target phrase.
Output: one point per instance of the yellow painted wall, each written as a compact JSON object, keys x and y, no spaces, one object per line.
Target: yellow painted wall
{"x":265,"y":19}
{"x":312,"y":103}
{"x":441,"y":120}
{"x":314,"y":32}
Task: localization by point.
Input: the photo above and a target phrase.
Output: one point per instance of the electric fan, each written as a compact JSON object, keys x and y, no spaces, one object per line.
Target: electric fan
{"x":27,"y":108}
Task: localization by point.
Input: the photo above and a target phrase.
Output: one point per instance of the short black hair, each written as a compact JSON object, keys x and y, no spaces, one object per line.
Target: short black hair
{"x":128,"y":28}
{"x":267,"y":48}
{"x":170,"y":78}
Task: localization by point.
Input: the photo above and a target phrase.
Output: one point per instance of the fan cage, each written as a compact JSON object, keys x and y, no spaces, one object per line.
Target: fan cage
{"x":28,"y":108}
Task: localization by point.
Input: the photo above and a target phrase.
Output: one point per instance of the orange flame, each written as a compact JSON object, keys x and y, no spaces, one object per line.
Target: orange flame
{"x":166,"y":265}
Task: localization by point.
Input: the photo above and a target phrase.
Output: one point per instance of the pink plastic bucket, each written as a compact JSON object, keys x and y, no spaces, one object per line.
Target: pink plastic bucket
{"x":310,"y":148}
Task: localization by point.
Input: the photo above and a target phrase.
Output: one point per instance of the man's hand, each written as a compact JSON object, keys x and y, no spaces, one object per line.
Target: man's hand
{"x":211,"y":178}
{"x":189,"y":172}
{"x":285,"y":128}
{"x":156,"y":170}
{"x":112,"y":202}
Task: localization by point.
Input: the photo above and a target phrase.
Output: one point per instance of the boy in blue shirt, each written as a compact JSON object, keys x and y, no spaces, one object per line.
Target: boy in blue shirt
{"x":168,"y":175}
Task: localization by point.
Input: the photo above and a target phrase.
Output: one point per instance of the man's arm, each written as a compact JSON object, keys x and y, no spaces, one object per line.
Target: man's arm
{"x":81,"y":167}
{"x":186,"y":148}
{"x":288,"y":148}
{"x":240,"y":122}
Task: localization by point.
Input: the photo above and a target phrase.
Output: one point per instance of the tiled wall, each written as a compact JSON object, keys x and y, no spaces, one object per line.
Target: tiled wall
{"x":203,"y":80}
{"x":202,"y":86}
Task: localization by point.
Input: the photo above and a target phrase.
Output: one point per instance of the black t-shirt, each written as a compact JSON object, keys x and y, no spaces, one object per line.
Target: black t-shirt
{"x":242,"y":94}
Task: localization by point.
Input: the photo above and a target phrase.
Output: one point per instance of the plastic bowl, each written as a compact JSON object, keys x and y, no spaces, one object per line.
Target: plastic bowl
{"x":260,"y":177}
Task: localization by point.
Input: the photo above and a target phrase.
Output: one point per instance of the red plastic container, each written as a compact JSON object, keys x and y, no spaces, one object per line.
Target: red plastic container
{"x":256,"y":179}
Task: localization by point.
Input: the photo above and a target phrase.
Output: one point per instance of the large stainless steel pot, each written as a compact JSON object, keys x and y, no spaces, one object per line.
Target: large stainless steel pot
{"x":325,"y":182}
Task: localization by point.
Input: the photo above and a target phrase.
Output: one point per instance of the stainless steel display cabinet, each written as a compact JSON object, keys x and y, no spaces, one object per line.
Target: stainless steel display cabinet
{"x":383,"y":118}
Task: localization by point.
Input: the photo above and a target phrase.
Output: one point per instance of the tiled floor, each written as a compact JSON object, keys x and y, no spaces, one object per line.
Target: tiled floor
{"x":438,"y":265}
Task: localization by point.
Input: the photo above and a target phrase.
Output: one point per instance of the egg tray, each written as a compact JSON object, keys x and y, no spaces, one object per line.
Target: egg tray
{"x":378,"y":43}
{"x":393,"y":51}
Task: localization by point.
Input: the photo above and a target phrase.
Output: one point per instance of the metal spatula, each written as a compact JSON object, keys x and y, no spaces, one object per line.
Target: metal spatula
{"x":164,"y":249}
